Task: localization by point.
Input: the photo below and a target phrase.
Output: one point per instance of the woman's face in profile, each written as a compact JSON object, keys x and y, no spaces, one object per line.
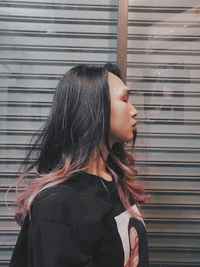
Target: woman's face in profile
{"x":123,"y":113}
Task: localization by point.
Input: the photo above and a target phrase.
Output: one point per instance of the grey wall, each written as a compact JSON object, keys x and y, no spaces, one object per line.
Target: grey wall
{"x":39,"y":42}
{"x":163,"y":71}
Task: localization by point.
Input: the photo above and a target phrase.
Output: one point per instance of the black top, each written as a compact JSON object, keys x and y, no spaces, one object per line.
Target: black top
{"x":80,"y":223}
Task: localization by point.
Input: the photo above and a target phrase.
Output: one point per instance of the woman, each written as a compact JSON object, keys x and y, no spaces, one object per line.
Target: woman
{"x":77,"y":209}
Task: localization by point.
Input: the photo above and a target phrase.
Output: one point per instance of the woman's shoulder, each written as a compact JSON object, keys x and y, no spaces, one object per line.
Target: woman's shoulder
{"x":53,"y":203}
{"x":67,"y":201}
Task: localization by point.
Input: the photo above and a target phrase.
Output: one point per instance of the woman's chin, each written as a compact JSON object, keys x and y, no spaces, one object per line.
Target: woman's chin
{"x":121,"y":139}
{"x":128,"y":138}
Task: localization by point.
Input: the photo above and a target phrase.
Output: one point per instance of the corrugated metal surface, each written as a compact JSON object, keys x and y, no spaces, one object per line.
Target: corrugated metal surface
{"x":163,"y":70}
{"x":39,"y":42}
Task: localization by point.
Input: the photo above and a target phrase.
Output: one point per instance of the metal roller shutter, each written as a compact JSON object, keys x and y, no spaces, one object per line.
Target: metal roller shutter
{"x":163,"y":70}
{"x":39,"y":42}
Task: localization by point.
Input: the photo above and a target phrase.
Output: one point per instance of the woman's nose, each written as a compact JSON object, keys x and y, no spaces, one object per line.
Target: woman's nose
{"x":133,"y":111}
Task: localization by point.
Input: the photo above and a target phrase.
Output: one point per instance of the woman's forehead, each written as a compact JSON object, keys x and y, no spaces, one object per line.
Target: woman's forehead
{"x":116,"y":85}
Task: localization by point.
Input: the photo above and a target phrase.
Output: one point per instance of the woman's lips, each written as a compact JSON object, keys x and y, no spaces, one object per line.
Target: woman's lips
{"x":134,"y":126}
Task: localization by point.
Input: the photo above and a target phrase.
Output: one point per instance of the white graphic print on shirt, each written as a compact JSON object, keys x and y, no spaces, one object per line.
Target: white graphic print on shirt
{"x":122,"y":221}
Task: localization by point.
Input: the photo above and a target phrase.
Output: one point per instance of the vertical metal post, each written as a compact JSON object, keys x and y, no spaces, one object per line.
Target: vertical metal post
{"x":122,"y":37}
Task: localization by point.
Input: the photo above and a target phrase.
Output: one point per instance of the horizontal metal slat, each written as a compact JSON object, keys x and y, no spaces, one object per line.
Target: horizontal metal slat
{"x":154,"y":23}
{"x":57,"y":6}
{"x":165,"y":37}
{"x":155,"y":263}
{"x":85,"y":42}
{"x":75,"y":2}
{"x":60,"y":48}
{"x":58,"y":20}
{"x":162,"y":65}
{"x":159,"y":9}
{"x":59,"y":34}
{"x":167,"y":44}
{"x":160,"y":51}
{"x":158,"y":79}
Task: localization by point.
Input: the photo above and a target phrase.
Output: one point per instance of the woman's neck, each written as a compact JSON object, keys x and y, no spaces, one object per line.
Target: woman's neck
{"x":97,"y":165}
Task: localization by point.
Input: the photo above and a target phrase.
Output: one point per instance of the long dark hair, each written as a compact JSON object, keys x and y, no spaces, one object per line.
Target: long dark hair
{"x":78,"y":123}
